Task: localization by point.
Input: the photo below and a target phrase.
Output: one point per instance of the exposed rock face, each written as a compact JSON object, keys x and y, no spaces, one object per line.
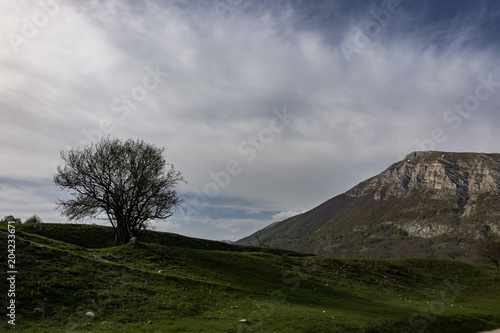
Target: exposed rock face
{"x":427,"y":195}
{"x":463,"y":178}
{"x":463,"y":175}
{"x":425,"y":230}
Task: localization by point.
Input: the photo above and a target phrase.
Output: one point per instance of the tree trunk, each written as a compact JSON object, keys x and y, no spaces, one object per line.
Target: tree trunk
{"x":123,"y":234}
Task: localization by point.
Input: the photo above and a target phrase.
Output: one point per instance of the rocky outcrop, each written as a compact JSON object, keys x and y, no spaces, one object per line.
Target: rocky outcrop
{"x":445,"y":199}
{"x":462,"y":175}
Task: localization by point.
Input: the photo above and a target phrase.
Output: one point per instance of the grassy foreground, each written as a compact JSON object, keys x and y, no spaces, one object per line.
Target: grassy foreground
{"x":171,"y":283}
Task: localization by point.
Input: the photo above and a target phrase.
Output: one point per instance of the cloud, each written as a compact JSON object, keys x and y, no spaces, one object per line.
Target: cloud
{"x":225,"y":67}
{"x":285,"y":215}
{"x":166,"y":226}
{"x":25,"y":197}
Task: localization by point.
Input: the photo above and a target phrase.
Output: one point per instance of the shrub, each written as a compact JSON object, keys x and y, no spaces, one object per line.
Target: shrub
{"x":488,"y":251}
{"x":10,"y":218}
{"x":34,"y":219}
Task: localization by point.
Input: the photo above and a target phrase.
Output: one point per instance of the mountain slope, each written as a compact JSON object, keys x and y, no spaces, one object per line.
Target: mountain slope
{"x":430,"y":204}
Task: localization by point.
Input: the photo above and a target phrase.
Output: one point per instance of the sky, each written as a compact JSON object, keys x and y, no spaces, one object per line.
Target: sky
{"x":267,"y":108}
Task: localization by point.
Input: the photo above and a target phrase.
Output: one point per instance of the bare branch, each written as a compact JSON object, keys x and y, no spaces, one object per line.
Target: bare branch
{"x":127,"y":180}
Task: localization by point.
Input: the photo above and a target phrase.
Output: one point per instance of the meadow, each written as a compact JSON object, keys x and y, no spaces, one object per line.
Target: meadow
{"x":171,"y":283}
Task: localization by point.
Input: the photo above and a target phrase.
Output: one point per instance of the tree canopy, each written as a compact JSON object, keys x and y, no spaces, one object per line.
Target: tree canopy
{"x":127,"y":181}
{"x":10,"y":218}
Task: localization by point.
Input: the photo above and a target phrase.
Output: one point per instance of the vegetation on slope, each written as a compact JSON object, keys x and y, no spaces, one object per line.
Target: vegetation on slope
{"x":430,"y":204}
{"x":170,"y":283}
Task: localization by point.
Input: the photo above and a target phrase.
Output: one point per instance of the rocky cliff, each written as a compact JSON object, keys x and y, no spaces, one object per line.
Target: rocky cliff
{"x":438,"y":199}
{"x":463,"y":175}
{"x":458,"y":182}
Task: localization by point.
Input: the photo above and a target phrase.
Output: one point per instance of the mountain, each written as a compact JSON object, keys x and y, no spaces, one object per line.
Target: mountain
{"x":431,"y":204}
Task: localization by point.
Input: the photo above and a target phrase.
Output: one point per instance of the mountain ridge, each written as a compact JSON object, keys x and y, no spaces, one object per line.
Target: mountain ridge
{"x":426,"y":195}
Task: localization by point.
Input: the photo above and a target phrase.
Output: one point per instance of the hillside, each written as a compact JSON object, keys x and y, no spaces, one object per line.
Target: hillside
{"x":171,"y":283}
{"x":430,"y":204}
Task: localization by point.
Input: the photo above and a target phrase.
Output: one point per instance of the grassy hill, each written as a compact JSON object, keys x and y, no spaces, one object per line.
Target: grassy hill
{"x":171,"y":283}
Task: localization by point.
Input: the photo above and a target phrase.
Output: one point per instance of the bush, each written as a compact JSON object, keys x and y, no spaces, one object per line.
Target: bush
{"x":488,"y":251}
{"x":10,"y":218}
{"x":33,"y":219}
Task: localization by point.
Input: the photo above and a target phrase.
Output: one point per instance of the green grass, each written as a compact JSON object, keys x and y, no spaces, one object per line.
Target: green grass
{"x":208,"y":286}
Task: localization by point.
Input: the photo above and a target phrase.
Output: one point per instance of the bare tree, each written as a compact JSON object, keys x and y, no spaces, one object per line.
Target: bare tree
{"x":128,"y":181}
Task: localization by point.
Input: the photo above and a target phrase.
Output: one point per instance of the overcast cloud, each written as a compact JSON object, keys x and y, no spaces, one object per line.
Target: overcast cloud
{"x":268,"y":108}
